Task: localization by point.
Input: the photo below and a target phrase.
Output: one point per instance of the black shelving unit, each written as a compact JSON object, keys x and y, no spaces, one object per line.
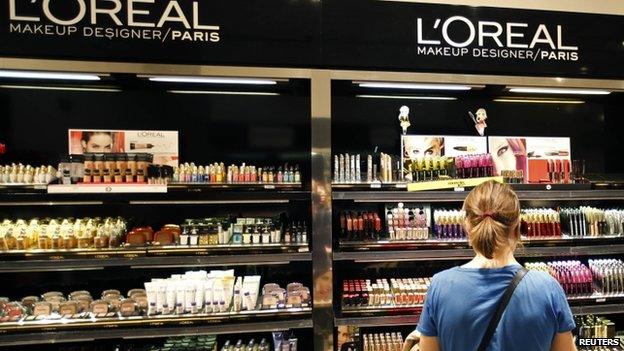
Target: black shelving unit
{"x":459,"y":196}
{"x":143,"y":259}
{"x":158,"y":329}
{"x":456,"y":254}
{"x":389,"y":255}
{"x":153,"y":259}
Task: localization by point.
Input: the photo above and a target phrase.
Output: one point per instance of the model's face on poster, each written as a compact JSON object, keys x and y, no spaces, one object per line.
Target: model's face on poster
{"x":98,"y":143}
{"x":415,"y":147}
{"x":503,"y":154}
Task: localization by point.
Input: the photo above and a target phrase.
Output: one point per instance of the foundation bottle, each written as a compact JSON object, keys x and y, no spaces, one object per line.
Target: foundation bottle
{"x":121,"y":164}
{"x":132,"y":166}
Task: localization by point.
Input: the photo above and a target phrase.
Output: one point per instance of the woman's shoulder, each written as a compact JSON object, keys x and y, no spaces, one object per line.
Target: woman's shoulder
{"x":445,"y":274}
{"x":542,"y":277}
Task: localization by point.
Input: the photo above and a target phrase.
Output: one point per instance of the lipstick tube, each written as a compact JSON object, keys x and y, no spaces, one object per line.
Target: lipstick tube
{"x":358,"y":174}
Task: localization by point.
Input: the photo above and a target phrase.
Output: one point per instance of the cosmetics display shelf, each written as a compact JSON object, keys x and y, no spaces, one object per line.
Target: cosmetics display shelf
{"x":459,"y":196}
{"x":433,"y":244}
{"x":183,"y":197}
{"x":378,"y":321}
{"x":380,"y":317}
{"x":616,"y":308}
{"x":363,"y":186}
{"x":152,"y":257}
{"x":381,"y":310}
{"x":466,"y":253}
{"x":156,"y":327}
{"x":180,"y":186}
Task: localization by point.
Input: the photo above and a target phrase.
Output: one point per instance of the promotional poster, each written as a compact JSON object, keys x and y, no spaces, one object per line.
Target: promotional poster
{"x":162,"y":144}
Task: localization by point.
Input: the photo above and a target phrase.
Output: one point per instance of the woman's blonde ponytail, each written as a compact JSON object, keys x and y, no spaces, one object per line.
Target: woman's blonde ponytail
{"x":492,"y":217}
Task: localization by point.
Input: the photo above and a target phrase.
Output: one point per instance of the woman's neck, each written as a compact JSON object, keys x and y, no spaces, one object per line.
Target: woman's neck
{"x":498,"y":261}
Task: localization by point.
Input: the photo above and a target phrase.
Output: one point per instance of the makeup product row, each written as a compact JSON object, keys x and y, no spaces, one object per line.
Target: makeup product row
{"x":474,"y":166}
{"x":100,"y":233}
{"x":55,"y":305}
{"x":218,"y":292}
{"x":186,"y":343}
{"x":553,"y":171}
{"x":367,"y":169}
{"x":159,"y":174}
{"x":429,"y":168}
{"x":252,"y":345}
{"x":403,"y":222}
{"x":60,"y":234}
{"x":219,"y":173}
{"x":591,"y":221}
{"x":105,"y":168}
{"x":407,"y":222}
{"x":575,"y":278}
{"x":357,"y":293}
{"x":541,"y":222}
{"x":242,"y":231}
{"x":608,"y":275}
{"x":284,"y":341}
{"x":169,"y":234}
{"x":26,"y":174}
{"x":449,"y":224}
{"x":513,"y":176}
{"x":358,"y":226}
{"x":190,"y":293}
{"x":383,"y":342}
{"x":591,"y":326}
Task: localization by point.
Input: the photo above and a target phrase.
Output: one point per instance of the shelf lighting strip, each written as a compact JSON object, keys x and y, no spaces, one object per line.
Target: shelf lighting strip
{"x":416,"y":86}
{"x":559,"y":91}
{"x":49,"y":75}
{"x":211,"y":80}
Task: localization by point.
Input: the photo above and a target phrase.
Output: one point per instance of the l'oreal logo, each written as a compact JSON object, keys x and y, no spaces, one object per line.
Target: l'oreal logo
{"x":503,"y":35}
{"x":136,"y":13}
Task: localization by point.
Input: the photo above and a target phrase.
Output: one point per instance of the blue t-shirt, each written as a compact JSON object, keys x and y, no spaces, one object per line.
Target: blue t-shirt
{"x":461,"y":301}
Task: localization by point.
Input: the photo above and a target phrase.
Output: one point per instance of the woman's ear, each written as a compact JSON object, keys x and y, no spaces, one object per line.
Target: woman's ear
{"x":84,"y":145}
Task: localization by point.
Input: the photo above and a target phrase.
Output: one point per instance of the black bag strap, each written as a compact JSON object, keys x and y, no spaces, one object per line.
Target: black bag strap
{"x":502,"y":305}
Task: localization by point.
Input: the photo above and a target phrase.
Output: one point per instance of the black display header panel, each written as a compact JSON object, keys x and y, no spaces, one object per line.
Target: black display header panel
{"x":354,"y":34}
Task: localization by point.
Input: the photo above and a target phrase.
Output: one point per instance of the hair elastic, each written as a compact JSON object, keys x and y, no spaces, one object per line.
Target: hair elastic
{"x":488,"y":214}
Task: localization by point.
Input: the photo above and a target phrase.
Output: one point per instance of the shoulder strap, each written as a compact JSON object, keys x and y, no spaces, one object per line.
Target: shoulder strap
{"x":502,"y":305}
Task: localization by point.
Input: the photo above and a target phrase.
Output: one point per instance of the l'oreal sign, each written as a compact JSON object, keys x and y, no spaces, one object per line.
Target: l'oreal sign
{"x":170,"y":20}
{"x":460,"y":36}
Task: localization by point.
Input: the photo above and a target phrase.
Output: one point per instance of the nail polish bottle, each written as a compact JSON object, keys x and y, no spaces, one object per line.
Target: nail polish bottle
{"x":297,"y":176}
{"x":271,"y":175}
{"x":280,"y":175}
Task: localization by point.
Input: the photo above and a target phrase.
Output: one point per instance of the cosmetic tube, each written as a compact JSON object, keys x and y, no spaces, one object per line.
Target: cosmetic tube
{"x":358,"y":174}
{"x":151,"y":291}
{"x":251,"y":285}
{"x":161,"y":296}
{"x":227,"y":293}
{"x":208,"y":295}
{"x":169,"y":306}
{"x":180,"y":290}
{"x":217,"y":294}
{"x":189,"y":296}
{"x":347,"y":168}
